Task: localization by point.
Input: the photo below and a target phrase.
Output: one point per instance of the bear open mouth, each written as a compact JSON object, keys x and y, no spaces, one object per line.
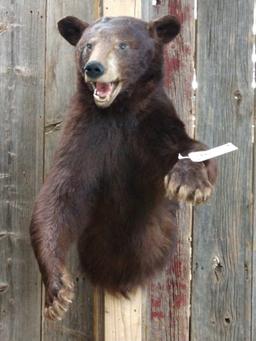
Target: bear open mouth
{"x":105,"y":93}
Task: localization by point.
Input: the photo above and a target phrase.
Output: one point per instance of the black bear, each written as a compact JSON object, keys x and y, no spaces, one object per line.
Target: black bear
{"x":116,"y":175}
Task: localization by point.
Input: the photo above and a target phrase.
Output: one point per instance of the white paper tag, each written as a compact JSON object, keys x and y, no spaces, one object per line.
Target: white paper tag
{"x":210,"y":153}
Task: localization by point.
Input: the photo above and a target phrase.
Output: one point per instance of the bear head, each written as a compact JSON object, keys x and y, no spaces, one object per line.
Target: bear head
{"x":115,"y":53}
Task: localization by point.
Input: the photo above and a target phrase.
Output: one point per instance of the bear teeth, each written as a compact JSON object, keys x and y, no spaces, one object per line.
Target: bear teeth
{"x":103,"y":89}
{"x":104,"y":93}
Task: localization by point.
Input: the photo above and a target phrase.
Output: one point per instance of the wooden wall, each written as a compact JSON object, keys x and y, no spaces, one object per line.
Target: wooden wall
{"x":208,"y":291}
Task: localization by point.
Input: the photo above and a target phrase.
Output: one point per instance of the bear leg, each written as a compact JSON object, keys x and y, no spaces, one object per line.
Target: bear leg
{"x":51,"y":239}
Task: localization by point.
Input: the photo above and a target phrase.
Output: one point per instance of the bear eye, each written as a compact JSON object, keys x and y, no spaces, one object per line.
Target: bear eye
{"x":123,"y":46}
{"x":89,"y":46}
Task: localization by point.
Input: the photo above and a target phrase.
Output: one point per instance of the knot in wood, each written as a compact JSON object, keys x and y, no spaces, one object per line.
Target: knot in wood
{"x":218,"y":268}
{"x":3,"y":27}
{"x":238,"y":96}
{"x":3,"y":287}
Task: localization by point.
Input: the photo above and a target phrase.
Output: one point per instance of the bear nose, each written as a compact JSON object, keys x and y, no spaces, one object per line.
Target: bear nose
{"x":94,"y":70}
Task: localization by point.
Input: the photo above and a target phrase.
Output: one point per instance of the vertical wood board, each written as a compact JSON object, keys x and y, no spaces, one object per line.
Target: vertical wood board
{"x":22,"y":46}
{"x":253,"y":195}
{"x":222,"y":238}
{"x":253,"y":317}
{"x":123,"y":318}
{"x":166,"y":303}
{"x":114,"y":8}
{"x":60,"y":86}
{"x":60,"y":63}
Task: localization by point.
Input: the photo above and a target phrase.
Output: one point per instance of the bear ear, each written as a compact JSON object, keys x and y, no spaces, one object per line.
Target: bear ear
{"x":165,"y":28}
{"x":72,"y":28}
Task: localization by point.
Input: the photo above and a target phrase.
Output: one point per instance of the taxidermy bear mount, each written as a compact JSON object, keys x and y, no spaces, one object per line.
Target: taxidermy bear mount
{"x":116,"y":178}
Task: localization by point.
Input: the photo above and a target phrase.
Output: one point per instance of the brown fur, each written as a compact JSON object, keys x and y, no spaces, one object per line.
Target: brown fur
{"x":106,"y":186}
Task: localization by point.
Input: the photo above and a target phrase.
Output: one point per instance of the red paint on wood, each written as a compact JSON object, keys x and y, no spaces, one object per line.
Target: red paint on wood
{"x":169,"y":294}
{"x":175,"y":57}
{"x":176,"y":281}
{"x":187,"y":49}
{"x":180,"y":300}
{"x":156,"y":308}
{"x":157,"y":315}
{"x":178,"y":50}
{"x":156,"y":286}
{"x":183,"y":13}
{"x":178,"y":267}
{"x":156,"y":303}
{"x":171,"y":64}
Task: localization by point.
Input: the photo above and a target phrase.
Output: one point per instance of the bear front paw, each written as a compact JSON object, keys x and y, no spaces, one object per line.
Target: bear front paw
{"x":59,"y":296}
{"x":188,"y":181}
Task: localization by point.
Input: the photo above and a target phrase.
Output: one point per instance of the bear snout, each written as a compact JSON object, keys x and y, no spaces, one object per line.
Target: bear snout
{"x":94,"y":69}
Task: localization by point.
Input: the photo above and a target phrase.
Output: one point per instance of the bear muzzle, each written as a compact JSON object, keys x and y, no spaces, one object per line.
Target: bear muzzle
{"x":105,"y":92}
{"x":104,"y":78}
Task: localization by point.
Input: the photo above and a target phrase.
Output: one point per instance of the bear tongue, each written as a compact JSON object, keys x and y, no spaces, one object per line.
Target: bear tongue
{"x":104,"y":89}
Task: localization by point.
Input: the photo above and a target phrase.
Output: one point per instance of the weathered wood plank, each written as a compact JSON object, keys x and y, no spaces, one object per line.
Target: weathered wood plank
{"x":60,"y":66}
{"x":166,"y":306}
{"x":253,"y":317}
{"x":98,"y":315}
{"x":22,"y":45}
{"x":254,"y":192}
{"x":254,"y":189}
{"x":122,"y":7}
{"x":60,"y":85}
{"x":123,"y":318}
{"x":222,"y":238}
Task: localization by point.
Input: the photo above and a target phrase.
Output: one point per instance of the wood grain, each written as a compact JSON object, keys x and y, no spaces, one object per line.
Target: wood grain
{"x":253,"y":336}
{"x":60,"y":66}
{"x":222,"y":238}
{"x":122,"y":7}
{"x":167,"y":300}
{"x":22,"y":45}
{"x":60,"y":80}
{"x":253,"y":199}
{"x":98,"y":315}
{"x":123,"y":318}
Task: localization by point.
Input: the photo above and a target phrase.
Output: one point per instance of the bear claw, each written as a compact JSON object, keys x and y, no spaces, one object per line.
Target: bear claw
{"x":62,"y":301}
{"x":185,"y":193}
{"x":192,"y":187}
